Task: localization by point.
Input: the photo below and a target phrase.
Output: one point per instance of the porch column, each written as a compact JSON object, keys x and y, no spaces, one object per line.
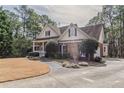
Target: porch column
{"x":43,"y":45}
{"x":62,"y":49}
{"x":33,"y":46}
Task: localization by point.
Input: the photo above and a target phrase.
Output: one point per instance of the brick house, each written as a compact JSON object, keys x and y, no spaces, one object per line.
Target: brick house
{"x":69,"y":37}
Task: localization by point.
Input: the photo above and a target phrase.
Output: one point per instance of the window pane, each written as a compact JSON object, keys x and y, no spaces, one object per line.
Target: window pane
{"x":69,"y":32}
{"x":47,"y":33}
{"x":75,"y":32}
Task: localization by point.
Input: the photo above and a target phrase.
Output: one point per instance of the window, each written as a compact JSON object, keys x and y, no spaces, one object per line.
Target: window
{"x":75,"y":32}
{"x":47,"y":33}
{"x":69,"y":33}
{"x":37,"y":48}
{"x":64,"y":49}
{"x":104,"y":49}
{"x":72,"y":32}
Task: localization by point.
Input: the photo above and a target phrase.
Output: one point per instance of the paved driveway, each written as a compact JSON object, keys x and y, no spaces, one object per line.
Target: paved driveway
{"x":111,"y":75}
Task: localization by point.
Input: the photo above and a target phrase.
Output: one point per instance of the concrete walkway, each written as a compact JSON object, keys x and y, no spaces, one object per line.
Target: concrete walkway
{"x":111,"y":75}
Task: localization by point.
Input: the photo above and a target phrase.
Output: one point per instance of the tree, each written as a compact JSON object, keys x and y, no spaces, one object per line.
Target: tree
{"x":5,"y":34}
{"x":15,"y":23}
{"x":113,"y":19}
{"x":51,"y":49}
{"x":33,"y":23}
{"x":44,"y":19}
{"x":22,"y":12}
{"x":21,"y":46}
{"x":18,"y":28}
{"x":120,"y":21}
{"x":89,"y":47}
{"x":98,"y":19}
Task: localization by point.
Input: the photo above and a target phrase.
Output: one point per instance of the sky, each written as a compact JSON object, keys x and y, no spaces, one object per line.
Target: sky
{"x":66,"y":14}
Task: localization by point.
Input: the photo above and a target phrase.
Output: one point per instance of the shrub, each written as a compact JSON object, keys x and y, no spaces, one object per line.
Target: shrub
{"x":66,"y":55}
{"x":89,"y":47}
{"x":51,"y":49}
{"x":21,"y":46}
{"x":60,"y":56}
{"x":98,"y":59}
{"x":33,"y":54}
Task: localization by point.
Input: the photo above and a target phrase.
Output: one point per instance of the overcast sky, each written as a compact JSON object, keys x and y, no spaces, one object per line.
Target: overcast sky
{"x":66,"y":14}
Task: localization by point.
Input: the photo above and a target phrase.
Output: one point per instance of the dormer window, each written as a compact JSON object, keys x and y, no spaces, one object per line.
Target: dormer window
{"x":69,"y":33}
{"x":47,"y":33}
{"x":75,"y":32}
{"x":72,"y":32}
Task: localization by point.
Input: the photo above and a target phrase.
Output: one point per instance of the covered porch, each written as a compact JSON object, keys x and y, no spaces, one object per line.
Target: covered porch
{"x":39,"y":46}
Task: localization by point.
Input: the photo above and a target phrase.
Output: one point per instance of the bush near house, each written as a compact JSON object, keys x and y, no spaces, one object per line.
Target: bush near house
{"x":33,"y":56}
{"x":60,"y":56}
{"x":21,"y":46}
{"x":89,"y":47}
{"x":98,"y":59}
{"x":52,"y":49}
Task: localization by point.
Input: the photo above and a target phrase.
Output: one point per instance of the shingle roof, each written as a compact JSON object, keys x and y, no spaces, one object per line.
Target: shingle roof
{"x":93,"y":31}
{"x":55,"y":28}
{"x":63,"y":28}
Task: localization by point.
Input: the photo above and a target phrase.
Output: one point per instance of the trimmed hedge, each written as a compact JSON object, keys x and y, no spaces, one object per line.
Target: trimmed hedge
{"x":98,"y":59}
{"x":60,"y":56}
{"x":33,"y":54}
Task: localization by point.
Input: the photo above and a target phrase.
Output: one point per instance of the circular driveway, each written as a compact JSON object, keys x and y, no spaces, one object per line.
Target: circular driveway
{"x":111,"y":75}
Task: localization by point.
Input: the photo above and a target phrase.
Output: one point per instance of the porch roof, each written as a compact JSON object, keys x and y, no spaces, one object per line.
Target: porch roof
{"x":44,"y":38}
{"x":70,"y":41}
{"x":40,"y":41}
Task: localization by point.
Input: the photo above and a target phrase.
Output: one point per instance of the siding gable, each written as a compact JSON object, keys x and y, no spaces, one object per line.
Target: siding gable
{"x":101,"y":37}
{"x":47,"y":29}
{"x":75,"y":35}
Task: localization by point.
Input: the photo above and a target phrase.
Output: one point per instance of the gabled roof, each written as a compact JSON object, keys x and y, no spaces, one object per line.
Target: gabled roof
{"x":93,"y":31}
{"x":63,"y":28}
{"x":55,"y":28}
{"x":78,"y":29}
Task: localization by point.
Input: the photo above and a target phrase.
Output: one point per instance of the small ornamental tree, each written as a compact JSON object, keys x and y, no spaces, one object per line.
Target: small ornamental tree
{"x":51,"y":49}
{"x":89,"y":47}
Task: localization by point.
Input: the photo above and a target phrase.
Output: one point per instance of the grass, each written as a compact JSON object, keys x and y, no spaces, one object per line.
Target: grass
{"x":20,"y":68}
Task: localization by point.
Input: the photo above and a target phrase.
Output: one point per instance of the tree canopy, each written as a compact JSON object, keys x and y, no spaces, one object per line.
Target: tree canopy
{"x":18,"y":29}
{"x":112,"y":16}
{"x":5,"y":34}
